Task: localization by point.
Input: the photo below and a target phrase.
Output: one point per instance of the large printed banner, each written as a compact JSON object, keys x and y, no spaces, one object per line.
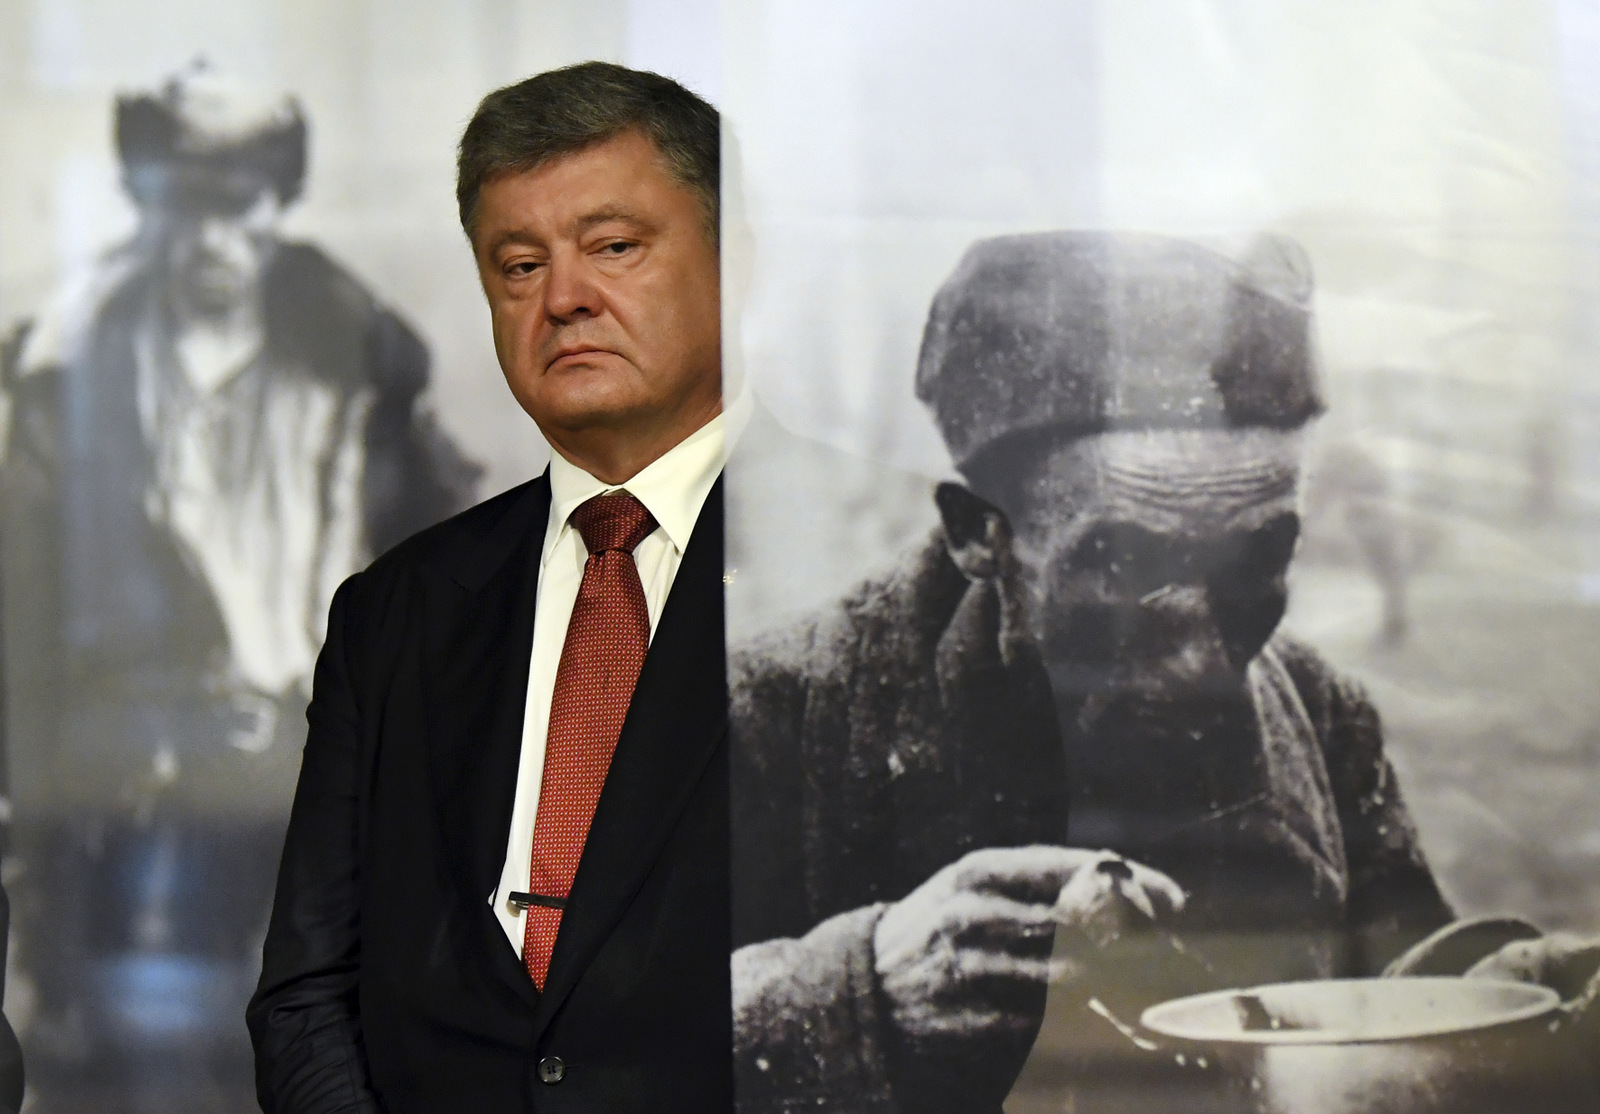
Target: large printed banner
{"x":1163,"y":555}
{"x":1163,"y":544}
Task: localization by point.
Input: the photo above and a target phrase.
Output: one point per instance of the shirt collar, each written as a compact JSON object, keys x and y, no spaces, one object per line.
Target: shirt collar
{"x":673,"y":487}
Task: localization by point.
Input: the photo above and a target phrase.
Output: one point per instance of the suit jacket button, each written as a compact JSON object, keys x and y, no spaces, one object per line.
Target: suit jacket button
{"x":552,"y":1070}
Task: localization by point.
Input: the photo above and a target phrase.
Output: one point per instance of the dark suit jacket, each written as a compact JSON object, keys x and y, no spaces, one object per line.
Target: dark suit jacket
{"x":387,"y":982}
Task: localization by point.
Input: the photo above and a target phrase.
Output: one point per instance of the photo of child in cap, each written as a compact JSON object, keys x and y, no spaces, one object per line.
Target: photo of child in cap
{"x":1061,"y":763}
{"x":208,"y":434}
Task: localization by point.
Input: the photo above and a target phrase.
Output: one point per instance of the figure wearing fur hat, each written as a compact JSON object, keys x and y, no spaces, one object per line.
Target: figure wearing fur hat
{"x":209,"y":433}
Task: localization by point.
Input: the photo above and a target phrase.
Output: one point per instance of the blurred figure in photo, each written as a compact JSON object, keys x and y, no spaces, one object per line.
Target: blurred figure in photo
{"x":207,"y":435}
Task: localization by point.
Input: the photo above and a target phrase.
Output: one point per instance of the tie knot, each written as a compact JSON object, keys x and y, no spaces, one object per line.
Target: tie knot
{"x":616,"y":521}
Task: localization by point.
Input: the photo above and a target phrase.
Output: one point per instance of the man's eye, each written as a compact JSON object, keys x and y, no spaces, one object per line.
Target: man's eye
{"x":1094,"y":552}
{"x":1261,"y":555}
{"x":522,"y":269}
{"x":621,"y":247}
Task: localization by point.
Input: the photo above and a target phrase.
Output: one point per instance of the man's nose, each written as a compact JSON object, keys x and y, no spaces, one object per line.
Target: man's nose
{"x":1191,"y":645}
{"x":570,"y":292}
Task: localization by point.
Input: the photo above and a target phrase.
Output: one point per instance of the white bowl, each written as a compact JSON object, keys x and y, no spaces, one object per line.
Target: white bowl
{"x":1346,"y":1011}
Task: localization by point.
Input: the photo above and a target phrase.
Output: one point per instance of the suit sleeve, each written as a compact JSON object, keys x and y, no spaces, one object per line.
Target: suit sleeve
{"x":305,"y":1019}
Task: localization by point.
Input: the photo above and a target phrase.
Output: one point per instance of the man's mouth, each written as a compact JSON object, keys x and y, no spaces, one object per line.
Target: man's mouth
{"x":577,"y":355}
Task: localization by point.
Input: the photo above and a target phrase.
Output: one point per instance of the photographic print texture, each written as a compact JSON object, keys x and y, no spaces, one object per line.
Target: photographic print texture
{"x":1164,"y":563}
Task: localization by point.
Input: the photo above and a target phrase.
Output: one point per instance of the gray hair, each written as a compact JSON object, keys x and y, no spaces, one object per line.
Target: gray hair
{"x":560,"y":112}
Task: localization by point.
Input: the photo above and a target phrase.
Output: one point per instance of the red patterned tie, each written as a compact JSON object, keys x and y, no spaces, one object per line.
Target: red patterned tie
{"x":606,"y":641}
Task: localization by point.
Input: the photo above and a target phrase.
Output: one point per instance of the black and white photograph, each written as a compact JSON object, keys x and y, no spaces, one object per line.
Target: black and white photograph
{"x":1161,"y":561}
{"x":1160,"y":609}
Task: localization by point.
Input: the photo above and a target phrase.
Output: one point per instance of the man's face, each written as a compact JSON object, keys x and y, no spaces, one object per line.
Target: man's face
{"x":603,"y":289}
{"x":1154,"y":564}
{"x":217,"y":244}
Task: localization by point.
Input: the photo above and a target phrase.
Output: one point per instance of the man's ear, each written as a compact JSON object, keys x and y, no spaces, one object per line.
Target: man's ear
{"x":976,"y":532}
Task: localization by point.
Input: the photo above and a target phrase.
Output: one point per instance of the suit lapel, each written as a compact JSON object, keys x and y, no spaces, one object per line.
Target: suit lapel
{"x":675,"y":721}
{"x":480,"y":637}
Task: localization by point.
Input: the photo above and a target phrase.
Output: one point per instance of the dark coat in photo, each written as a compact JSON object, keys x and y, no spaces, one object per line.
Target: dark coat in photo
{"x":120,"y":623}
{"x":134,"y":740}
{"x":886,"y":737}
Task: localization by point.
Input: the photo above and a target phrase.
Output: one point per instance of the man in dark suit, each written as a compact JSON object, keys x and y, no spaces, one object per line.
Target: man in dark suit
{"x":505,"y":879}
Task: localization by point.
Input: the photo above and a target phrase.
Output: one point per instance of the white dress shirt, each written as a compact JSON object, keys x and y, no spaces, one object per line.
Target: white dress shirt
{"x":673,"y":489}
